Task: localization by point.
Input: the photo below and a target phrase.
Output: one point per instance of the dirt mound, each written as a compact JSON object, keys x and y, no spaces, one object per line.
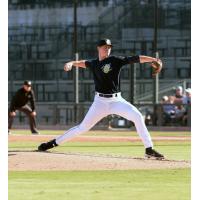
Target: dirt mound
{"x":29,"y":160}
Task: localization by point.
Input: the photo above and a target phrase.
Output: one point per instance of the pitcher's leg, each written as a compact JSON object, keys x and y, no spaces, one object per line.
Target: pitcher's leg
{"x":131,"y":113}
{"x":92,"y":117}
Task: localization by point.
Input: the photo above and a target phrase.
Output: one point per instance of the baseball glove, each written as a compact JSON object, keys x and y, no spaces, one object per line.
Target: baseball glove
{"x":157,"y":67}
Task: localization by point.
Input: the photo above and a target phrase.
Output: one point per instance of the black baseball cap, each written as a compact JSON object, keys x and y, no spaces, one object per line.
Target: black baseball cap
{"x":28,"y":83}
{"x":104,"y":41}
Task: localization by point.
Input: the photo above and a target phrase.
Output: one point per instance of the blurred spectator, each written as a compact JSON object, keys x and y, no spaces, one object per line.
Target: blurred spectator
{"x":179,"y":114}
{"x":179,"y":92}
{"x":178,"y":95}
{"x":186,"y":100}
{"x":168,"y":109}
{"x":173,"y":113}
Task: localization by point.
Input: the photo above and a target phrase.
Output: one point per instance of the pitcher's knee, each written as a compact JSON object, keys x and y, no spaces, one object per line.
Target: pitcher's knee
{"x":137,"y":117}
{"x":83,"y":128}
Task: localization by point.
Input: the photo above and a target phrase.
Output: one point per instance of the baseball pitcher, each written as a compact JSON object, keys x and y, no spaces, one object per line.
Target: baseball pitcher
{"x":108,"y":100}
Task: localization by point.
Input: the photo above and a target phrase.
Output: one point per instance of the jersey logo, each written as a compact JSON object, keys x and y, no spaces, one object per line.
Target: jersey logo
{"x":106,"y":68}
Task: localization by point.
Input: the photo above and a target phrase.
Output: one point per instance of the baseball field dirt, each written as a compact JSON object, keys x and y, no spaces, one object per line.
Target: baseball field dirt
{"x":23,"y":160}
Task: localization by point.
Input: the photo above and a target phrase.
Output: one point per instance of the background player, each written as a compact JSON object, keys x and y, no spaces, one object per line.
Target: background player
{"x":108,"y":100}
{"x":20,"y":102}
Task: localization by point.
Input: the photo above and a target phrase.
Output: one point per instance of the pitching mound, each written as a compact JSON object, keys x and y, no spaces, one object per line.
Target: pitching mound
{"x":22,"y":161}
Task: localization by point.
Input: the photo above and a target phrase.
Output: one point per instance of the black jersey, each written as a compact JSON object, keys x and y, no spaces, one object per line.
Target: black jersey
{"x":21,"y":98}
{"x":107,"y":72}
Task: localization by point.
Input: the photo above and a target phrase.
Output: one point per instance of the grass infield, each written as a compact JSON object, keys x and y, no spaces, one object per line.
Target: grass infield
{"x":101,"y":185}
{"x":107,"y":133}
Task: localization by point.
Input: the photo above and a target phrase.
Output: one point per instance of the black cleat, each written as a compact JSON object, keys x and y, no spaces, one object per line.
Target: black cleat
{"x":47,"y":145}
{"x":35,"y":133}
{"x":151,"y":153}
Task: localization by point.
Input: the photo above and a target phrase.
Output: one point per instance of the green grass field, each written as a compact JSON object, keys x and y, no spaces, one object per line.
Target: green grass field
{"x":167,"y":184}
{"x":101,"y":185}
{"x":107,"y":133}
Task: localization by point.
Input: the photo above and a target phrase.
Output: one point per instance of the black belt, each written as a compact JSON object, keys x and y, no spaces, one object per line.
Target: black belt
{"x":107,"y":95}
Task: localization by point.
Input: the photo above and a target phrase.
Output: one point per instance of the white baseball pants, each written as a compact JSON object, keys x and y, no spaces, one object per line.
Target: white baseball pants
{"x":103,"y":107}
